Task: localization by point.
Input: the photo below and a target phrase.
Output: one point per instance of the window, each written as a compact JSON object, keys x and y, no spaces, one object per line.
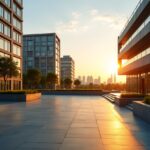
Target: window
{"x":16,"y":50}
{"x":17,"y":10}
{"x":30,"y":43}
{"x":44,"y":38}
{"x":17,"y":24}
{"x":1,"y":11}
{"x":7,"y":2}
{"x":51,"y":38}
{"x":19,"y":1}
{"x":17,"y":37}
{"x":7,"y":15}
{"x":4,"y":14}
{"x":4,"y":44}
{"x":5,"y":29}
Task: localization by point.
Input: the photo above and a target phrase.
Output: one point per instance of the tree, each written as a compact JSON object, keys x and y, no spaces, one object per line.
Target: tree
{"x":52,"y":79}
{"x":34,"y":77}
{"x":8,"y":69}
{"x":77,"y":83}
{"x":67,"y":83}
{"x":25,"y":81}
{"x":43,"y":81}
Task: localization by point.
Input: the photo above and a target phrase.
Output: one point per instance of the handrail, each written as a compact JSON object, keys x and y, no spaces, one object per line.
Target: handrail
{"x":133,"y":13}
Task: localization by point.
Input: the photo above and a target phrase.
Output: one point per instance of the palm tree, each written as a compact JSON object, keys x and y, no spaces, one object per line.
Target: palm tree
{"x":8,"y":69}
{"x":52,"y":80}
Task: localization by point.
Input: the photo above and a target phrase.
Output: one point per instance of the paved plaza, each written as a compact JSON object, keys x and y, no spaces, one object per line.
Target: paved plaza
{"x":71,"y":123}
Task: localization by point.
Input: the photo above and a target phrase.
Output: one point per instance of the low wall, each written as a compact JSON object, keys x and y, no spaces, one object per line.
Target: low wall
{"x":19,"y":97}
{"x":122,"y":102}
{"x":141,"y":110}
{"x":73,"y":92}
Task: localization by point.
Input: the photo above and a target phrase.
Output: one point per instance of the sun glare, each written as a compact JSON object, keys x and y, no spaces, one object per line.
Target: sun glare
{"x":113,"y":67}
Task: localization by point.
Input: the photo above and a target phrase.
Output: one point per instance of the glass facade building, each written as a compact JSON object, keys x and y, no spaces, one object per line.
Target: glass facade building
{"x":134,"y":49}
{"x":42,"y":51}
{"x":11,"y":20}
{"x":67,"y":68}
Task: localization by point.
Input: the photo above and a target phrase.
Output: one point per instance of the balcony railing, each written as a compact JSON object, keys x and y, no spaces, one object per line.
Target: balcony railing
{"x":137,"y":57}
{"x":133,"y":13}
{"x":136,"y":33}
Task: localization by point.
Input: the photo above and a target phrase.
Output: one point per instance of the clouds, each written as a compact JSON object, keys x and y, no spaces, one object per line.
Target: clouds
{"x":82,"y":22}
{"x":73,"y":24}
{"x":112,"y":20}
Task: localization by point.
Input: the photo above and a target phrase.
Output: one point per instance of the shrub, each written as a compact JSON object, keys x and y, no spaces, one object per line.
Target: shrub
{"x":19,"y":92}
{"x":131,"y":95}
{"x":147,"y":100}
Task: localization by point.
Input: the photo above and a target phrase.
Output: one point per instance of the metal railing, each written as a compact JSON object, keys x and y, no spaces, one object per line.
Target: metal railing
{"x":133,"y":13}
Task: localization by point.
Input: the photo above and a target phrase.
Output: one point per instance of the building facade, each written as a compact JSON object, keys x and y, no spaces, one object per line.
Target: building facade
{"x":67,"y":68}
{"x":42,"y":52}
{"x":11,"y":19}
{"x":134,"y":49}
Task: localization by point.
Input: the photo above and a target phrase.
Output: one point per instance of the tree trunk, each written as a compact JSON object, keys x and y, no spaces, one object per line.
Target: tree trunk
{"x":5,"y":83}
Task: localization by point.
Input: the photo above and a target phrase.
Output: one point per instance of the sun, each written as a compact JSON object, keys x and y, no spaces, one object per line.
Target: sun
{"x":113,"y":67}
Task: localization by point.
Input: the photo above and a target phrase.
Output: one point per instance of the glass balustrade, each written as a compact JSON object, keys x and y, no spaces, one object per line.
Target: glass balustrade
{"x":137,"y":57}
{"x":136,"y":33}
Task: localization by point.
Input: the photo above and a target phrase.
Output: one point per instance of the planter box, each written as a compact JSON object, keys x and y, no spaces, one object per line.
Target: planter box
{"x":122,"y":102}
{"x":19,"y":97}
{"x":73,"y":92}
{"x":142,"y":110}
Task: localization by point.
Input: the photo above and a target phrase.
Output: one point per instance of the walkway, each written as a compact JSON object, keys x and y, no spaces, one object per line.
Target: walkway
{"x":71,"y":123}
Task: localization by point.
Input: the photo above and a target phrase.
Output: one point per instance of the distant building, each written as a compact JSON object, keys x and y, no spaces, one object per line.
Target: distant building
{"x":97,"y":81}
{"x":11,"y":19}
{"x":79,"y":78}
{"x":67,"y":68}
{"x":90,"y":80}
{"x":134,"y":49}
{"x":84,"y":80}
{"x":42,"y":51}
{"x":109,"y":80}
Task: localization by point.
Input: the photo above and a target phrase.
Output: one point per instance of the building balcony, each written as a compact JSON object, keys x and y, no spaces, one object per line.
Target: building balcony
{"x":137,"y":17}
{"x":140,"y":42}
{"x":139,"y":66}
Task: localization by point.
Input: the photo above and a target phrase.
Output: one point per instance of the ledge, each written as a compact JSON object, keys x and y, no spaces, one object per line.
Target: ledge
{"x":19,"y":97}
{"x":122,"y":102}
{"x":142,"y":110}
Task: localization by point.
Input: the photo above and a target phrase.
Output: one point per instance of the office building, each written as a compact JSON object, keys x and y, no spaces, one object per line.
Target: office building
{"x":67,"y":68}
{"x":134,"y":49}
{"x":42,"y":52}
{"x":11,"y":19}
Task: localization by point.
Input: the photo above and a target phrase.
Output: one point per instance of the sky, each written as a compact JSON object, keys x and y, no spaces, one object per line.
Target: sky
{"x":88,"y":30}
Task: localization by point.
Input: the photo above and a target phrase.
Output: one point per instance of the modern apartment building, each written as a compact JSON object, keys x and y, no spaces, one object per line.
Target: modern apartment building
{"x":67,"y":68}
{"x":42,"y":51}
{"x":134,"y":49}
{"x":11,"y":20}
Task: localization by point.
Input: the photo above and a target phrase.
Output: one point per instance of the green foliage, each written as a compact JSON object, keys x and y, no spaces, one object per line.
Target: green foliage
{"x":8,"y":68}
{"x":25,"y":81}
{"x":19,"y":92}
{"x":131,"y":95}
{"x":147,"y":100}
{"x":33,"y":77}
{"x":77,"y":83}
{"x":43,"y":81}
{"x":51,"y":79}
{"x":67,"y":83}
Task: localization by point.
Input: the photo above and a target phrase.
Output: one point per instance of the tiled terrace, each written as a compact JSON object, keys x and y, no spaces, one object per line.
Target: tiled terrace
{"x":71,"y":123}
